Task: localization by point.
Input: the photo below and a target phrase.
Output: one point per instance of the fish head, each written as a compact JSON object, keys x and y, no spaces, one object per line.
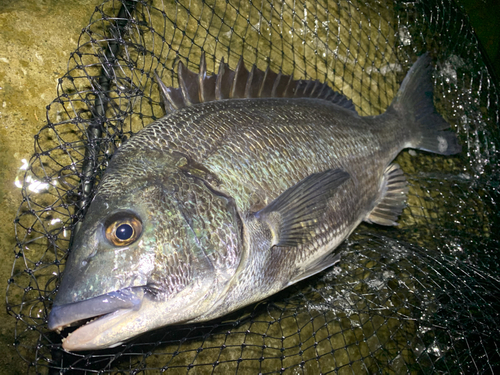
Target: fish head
{"x":157,"y":246}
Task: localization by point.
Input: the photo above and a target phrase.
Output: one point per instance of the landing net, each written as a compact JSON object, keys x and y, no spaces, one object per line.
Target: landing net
{"x":423,"y":297}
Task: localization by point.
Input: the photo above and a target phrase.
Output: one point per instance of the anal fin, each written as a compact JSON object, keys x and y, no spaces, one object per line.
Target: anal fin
{"x":317,"y":266}
{"x":393,"y":194}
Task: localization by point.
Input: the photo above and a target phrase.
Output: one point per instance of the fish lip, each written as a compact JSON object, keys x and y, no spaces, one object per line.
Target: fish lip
{"x":69,"y":314}
{"x":84,"y":338}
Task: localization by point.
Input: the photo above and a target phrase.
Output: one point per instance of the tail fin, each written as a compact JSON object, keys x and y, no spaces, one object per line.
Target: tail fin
{"x":414,"y":102}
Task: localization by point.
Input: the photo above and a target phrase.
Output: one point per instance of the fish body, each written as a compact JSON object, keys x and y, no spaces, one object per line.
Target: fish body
{"x":233,"y":196}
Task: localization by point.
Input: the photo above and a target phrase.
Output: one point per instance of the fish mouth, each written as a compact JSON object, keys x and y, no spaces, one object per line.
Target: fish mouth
{"x":96,"y":312}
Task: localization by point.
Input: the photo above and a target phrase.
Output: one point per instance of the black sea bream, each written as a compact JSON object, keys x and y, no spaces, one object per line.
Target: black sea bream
{"x":245,"y":187}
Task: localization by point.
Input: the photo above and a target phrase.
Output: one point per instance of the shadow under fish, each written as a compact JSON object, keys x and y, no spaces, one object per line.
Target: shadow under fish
{"x":246,"y":186}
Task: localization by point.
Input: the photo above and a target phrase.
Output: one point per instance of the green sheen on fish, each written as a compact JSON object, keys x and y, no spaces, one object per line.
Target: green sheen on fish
{"x":246,"y":186}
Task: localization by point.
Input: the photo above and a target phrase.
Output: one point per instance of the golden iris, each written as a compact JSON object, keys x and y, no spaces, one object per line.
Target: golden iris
{"x":124,"y":231}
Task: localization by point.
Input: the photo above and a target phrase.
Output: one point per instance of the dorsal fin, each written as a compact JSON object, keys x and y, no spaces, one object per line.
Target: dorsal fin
{"x":240,"y":83}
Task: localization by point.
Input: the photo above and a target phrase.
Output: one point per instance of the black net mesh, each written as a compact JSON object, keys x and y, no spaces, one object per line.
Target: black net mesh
{"x":423,"y":297}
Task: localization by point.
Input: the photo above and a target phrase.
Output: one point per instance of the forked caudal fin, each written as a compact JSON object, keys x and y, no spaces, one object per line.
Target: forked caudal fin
{"x":240,"y":83}
{"x":414,"y":103}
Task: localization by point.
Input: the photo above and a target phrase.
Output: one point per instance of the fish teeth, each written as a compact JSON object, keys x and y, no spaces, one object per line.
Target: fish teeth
{"x":61,"y":328}
{"x":91,"y":320}
{"x":64,"y":338}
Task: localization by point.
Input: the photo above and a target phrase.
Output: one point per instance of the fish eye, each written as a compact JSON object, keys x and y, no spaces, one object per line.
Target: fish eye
{"x":123,"y":230}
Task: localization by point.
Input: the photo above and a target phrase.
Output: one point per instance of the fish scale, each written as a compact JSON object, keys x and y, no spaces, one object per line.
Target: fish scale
{"x":232,"y":197}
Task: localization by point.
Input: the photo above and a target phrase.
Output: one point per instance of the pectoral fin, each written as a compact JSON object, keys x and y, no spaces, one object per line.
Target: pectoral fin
{"x":292,"y":217}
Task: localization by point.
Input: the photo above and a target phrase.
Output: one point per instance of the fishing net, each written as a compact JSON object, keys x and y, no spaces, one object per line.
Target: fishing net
{"x":423,"y":297}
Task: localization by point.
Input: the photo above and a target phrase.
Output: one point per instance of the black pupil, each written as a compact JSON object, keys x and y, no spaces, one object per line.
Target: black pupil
{"x":124,"y":232}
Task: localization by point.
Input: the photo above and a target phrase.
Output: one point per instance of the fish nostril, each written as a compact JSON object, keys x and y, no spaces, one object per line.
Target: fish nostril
{"x":85,"y":262}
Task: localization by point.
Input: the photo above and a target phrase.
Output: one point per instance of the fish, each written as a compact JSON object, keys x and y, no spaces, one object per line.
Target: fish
{"x":246,"y":186}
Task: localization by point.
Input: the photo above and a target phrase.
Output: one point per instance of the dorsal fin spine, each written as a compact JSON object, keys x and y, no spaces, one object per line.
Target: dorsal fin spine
{"x":323,"y":92}
{"x":248,"y":88}
{"x":234,"y":84}
{"x":201,"y":78}
{"x":182,"y":84}
{"x":218,"y":81}
{"x":240,"y":80}
{"x":317,"y":89}
{"x":275,"y":85}
{"x":262,"y":84}
{"x":249,"y":82}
